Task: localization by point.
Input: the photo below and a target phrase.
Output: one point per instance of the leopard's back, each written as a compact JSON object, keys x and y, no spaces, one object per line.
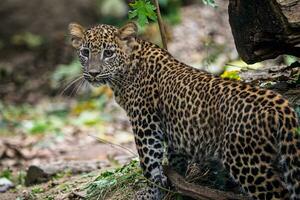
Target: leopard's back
{"x":250,"y":129}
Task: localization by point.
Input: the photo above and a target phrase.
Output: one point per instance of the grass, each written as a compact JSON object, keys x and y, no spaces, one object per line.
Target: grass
{"x":117,"y":184}
{"x":17,"y":178}
{"x":122,"y":184}
{"x":113,"y":184}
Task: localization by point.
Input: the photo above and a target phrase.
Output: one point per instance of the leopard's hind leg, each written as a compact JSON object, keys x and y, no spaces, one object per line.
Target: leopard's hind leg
{"x":250,"y":161}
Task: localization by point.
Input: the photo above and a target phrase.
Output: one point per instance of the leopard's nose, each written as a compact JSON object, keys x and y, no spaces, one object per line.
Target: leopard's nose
{"x":94,"y":73}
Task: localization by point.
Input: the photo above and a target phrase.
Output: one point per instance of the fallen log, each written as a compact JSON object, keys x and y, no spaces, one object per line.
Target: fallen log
{"x":198,"y":191}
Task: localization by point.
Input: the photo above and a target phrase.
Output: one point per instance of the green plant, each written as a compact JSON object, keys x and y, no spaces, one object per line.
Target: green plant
{"x":29,"y":39}
{"x":20,"y":178}
{"x":65,"y":187}
{"x":52,"y":117}
{"x":234,"y":74}
{"x":17,"y":178}
{"x":143,"y":10}
{"x":66,"y":173}
{"x":37,"y":190}
{"x":49,"y":198}
{"x":6,"y":173}
{"x":122,"y":179}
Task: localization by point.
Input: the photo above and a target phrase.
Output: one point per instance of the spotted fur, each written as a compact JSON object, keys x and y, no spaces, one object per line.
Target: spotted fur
{"x":199,"y":116}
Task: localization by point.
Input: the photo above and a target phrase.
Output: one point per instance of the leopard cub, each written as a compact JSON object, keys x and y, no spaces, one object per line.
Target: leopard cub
{"x":251,"y":131}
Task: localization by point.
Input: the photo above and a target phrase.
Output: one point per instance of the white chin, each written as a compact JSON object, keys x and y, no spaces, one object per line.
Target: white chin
{"x":96,"y":84}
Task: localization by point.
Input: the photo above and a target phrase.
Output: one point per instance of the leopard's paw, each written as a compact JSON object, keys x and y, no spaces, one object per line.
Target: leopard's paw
{"x":149,"y":194}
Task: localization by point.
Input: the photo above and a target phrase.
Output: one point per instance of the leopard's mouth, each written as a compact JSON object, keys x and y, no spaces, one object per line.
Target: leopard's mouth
{"x":96,"y":79}
{"x":96,"y":83}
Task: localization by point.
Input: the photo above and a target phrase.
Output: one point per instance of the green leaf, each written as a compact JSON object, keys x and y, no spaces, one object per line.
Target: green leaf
{"x":142,"y":10}
{"x":6,"y":173}
{"x":37,"y":190}
{"x":132,"y":14}
{"x":231,"y":75}
{"x":142,"y":19}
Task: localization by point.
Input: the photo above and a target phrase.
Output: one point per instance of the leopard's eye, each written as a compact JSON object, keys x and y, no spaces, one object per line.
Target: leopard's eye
{"x":108,"y":53}
{"x":85,"y":52}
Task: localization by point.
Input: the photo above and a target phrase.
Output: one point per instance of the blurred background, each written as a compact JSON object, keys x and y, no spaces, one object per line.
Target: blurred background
{"x":43,"y":118}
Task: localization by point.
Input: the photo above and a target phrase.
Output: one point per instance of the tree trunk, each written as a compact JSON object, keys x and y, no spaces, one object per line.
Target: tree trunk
{"x":264,"y":29}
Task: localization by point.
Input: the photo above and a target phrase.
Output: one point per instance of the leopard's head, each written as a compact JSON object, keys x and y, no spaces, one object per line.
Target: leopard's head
{"x":104,"y":51}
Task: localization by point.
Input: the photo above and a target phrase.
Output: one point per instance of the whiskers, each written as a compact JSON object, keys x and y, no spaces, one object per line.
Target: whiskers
{"x":119,"y":81}
{"x":84,"y":81}
{"x":73,"y":87}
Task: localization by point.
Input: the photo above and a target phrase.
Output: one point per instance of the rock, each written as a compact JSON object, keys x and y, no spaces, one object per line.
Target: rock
{"x":43,"y":173}
{"x":5,"y":184}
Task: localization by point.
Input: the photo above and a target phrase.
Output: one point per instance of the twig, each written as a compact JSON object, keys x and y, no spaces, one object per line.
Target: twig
{"x":198,"y":191}
{"x":159,"y":186}
{"x":74,"y":195}
{"x":161,"y":25}
{"x":113,"y":144}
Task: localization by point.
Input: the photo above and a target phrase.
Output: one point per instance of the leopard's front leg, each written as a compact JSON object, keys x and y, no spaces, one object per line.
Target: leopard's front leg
{"x":149,"y":141}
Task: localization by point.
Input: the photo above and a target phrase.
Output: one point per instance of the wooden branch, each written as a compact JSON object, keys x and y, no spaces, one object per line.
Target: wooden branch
{"x":267,"y":73}
{"x":161,"y":25}
{"x":198,"y":191}
{"x":282,"y":75}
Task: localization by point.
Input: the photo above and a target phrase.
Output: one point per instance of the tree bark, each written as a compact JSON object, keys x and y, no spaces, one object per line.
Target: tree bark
{"x":264,"y":29}
{"x":282,"y":75}
{"x":161,"y":25}
{"x":198,"y":191}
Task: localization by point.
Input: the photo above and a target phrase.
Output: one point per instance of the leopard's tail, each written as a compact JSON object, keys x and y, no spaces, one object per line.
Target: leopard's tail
{"x":289,"y":146}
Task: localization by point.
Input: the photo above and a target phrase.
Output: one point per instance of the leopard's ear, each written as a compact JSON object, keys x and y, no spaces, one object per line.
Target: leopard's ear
{"x":76,"y":31}
{"x":126,"y":36}
{"x":129,"y":30}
